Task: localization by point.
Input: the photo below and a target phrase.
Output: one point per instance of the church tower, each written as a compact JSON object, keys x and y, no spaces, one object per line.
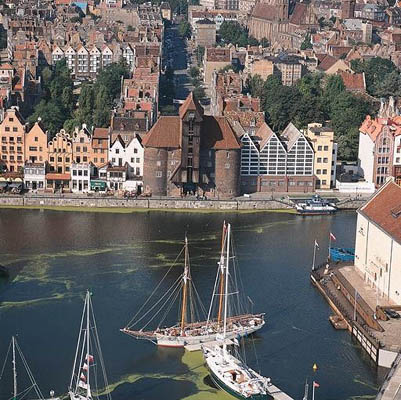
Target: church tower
{"x":347,"y":9}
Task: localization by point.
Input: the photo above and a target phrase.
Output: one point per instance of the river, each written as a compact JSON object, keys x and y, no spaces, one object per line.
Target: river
{"x":55,"y":256}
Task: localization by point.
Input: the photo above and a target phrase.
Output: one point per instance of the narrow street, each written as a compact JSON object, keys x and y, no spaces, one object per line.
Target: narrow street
{"x":177,"y":59}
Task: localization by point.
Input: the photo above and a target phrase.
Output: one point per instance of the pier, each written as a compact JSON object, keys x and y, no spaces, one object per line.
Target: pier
{"x":361,"y":308}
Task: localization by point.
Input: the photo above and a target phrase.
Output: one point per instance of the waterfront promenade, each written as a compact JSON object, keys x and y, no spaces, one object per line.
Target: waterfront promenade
{"x":259,"y":203}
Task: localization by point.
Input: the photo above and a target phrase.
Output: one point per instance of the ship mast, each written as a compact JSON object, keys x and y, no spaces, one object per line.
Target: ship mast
{"x":185,"y":278}
{"x":14,"y":370}
{"x":221,"y":290}
{"x":226,"y":288}
{"x":87,"y":343}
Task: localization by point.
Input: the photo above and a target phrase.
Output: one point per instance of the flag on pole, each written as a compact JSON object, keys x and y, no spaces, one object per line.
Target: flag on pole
{"x":332,"y":237}
{"x":315,"y":384}
{"x":317,"y":244}
{"x":89,"y":358}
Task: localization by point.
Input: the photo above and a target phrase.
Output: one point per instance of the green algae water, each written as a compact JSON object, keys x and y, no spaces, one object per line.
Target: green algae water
{"x":54,"y":256}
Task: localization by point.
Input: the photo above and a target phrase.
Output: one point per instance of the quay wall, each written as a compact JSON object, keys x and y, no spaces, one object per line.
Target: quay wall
{"x":107,"y":202}
{"x":157,"y":203}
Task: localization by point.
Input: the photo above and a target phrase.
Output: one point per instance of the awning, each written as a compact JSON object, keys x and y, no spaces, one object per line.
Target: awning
{"x":98,"y":184}
{"x":15,"y":185}
{"x":17,"y":180}
{"x":2,"y":179}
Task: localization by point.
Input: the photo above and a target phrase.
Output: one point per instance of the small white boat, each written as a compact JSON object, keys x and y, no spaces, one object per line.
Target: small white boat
{"x":315,"y":206}
{"x":85,"y":381}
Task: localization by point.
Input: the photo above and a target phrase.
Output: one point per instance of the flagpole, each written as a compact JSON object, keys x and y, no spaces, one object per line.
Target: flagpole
{"x":313,"y":391}
{"x":329,"y":246}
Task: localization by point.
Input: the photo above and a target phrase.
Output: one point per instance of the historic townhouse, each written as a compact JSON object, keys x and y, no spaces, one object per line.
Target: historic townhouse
{"x":12,"y":133}
{"x":100,"y":146}
{"x":36,"y":144}
{"x":322,"y":139}
{"x":129,"y":153}
{"x":60,"y":153}
{"x":379,"y":153}
{"x":60,"y":160}
{"x":82,"y":145}
{"x":272,"y":163}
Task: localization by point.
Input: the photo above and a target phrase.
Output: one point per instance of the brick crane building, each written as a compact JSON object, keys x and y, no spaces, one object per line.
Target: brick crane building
{"x":191,"y":153}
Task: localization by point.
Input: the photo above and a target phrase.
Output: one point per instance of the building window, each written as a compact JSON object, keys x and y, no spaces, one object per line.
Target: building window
{"x":159,"y":174}
{"x":318,"y":171}
{"x":7,"y":129}
{"x":15,"y":129}
{"x":135,"y":151}
{"x":227,"y":166}
{"x":325,"y":160}
{"x":74,"y":172}
{"x":117,"y":151}
{"x":319,"y":159}
{"x":325,"y":171}
{"x":59,"y":159}
{"x":326,"y":148}
{"x":319,"y":148}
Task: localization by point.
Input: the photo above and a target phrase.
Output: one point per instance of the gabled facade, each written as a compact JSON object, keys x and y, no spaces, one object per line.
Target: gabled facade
{"x":12,"y":133}
{"x":272,"y":163}
{"x":60,"y":153}
{"x":36,"y":144}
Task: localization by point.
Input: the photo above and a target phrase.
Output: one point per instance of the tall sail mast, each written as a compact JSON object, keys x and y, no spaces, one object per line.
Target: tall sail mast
{"x":87,"y":343}
{"x":185,"y":278}
{"x":226,"y":286}
{"x":14,"y":370}
{"x":221,"y":290}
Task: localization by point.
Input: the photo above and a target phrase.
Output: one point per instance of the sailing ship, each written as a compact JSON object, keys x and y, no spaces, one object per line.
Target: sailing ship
{"x":192,"y":328}
{"x":19,"y":393}
{"x":84,"y":376}
{"x":227,"y":370}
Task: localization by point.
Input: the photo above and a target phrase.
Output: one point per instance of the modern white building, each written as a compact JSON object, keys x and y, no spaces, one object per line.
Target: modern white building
{"x":378,"y":242}
{"x":80,"y":177}
{"x":35,"y":176}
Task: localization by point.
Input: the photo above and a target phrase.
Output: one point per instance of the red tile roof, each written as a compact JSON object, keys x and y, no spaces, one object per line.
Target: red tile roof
{"x":101,"y":133}
{"x":218,"y":134}
{"x":265,"y":11}
{"x":165,"y":133}
{"x":384,"y":209}
{"x":353,"y":81}
{"x":327,"y":62}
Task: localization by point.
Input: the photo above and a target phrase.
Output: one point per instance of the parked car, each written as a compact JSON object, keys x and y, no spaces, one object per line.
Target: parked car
{"x":392,"y":313}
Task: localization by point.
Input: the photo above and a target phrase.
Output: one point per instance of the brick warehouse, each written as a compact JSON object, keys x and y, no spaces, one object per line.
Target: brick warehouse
{"x":192,"y":153}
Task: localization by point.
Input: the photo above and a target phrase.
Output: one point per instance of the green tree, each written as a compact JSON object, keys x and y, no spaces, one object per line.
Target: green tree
{"x":199,"y":92}
{"x":389,"y":86}
{"x":264,"y":42}
{"x":184,"y":29}
{"x":306,"y":44}
{"x":51,"y":114}
{"x":84,"y":113}
{"x":194,"y":72}
{"x":376,"y":69}
{"x":253,"y":41}
{"x":102,"y":107}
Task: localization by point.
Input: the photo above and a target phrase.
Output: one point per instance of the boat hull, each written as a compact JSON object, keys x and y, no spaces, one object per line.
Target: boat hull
{"x":182,"y":341}
{"x":315,"y":212}
{"x":221,"y":385}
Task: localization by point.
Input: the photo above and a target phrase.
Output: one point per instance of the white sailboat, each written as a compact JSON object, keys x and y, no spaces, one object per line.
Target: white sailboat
{"x":84,"y":379}
{"x":19,"y":393}
{"x":227,"y":370}
{"x":191,"y":329}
